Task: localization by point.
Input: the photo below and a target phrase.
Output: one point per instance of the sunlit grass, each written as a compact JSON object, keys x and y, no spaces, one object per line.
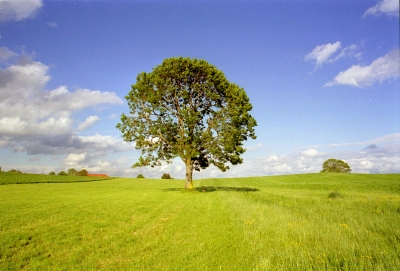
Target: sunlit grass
{"x":25,"y":178}
{"x":260,"y":223}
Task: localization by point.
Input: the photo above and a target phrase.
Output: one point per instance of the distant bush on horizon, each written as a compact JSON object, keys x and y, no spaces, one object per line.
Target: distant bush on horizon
{"x":166,"y":176}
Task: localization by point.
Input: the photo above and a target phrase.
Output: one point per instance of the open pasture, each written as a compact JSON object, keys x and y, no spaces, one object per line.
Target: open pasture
{"x":258,"y":223}
{"x":25,"y":178}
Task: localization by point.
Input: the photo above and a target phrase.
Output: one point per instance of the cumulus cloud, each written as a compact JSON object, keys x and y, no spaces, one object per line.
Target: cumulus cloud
{"x":388,"y":7}
{"x":371,"y":147}
{"x":18,"y":10}
{"x":17,"y":126}
{"x":379,"y":155}
{"x":6,"y":54}
{"x":75,"y":159}
{"x":96,"y":145}
{"x":38,"y":121}
{"x":381,"y":69}
{"x":88,"y":122}
{"x":331,"y":52}
{"x":369,"y":159}
{"x":310,"y":152}
{"x":22,"y":90}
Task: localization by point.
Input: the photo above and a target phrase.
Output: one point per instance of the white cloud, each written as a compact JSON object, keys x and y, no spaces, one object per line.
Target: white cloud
{"x":88,"y":122}
{"x":331,"y":52}
{"x":102,"y":143}
{"x":322,"y":53}
{"x":365,"y":164}
{"x":381,"y":69}
{"x":75,"y":159}
{"x":388,"y":7}
{"x":38,"y":121}
{"x":382,"y":158}
{"x":16,"y":126}
{"x":52,"y":24}
{"x":16,"y":10}
{"x":6,"y":54}
{"x":310,"y":152}
{"x":254,"y":148}
{"x":22,"y":90}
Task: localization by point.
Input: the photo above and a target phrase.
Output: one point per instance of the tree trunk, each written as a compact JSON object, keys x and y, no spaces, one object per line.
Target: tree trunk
{"x":189,"y":174}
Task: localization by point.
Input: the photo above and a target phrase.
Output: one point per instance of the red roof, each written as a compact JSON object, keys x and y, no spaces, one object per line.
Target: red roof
{"x":97,"y":175}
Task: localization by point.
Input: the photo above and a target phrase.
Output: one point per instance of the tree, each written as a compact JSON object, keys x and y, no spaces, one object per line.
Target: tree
{"x":62,"y":173}
{"x":187,"y":108}
{"x":140,"y":176}
{"x":82,"y":172}
{"x":334,"y":165}
{"x":165,"y":176}
{"x":72,"y":172}
{"x":52,"y":173}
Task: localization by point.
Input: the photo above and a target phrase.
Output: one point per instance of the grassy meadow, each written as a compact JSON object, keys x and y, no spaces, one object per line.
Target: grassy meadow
{"x":25,"y":178}
{"x":293,"y":222}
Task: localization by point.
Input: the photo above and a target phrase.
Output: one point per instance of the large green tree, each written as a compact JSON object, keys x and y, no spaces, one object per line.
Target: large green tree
{"x":335,"y":165}
{"x":187,"y":108}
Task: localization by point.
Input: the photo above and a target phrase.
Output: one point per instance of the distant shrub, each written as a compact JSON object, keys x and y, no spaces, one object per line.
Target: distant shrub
{"x":82,"y":172}
{"x":166,"y":176}
{"x":335,"y":195}
{"x":52,"y":173}
{"x":140,"y":176}
{"x":62,"y":173}
{"x":14,"y":171}
{"x":335,"y":165}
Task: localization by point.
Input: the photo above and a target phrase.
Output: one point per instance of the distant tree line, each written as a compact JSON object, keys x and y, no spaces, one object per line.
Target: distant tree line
{"x":71,"y":172}
{"x":14,"y":171}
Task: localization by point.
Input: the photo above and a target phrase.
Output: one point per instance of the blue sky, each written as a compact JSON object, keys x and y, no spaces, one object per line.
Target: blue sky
{"x":323,"y":78}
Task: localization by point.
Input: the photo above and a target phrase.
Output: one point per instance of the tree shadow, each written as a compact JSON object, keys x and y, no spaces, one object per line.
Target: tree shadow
{"x":216,"y":188}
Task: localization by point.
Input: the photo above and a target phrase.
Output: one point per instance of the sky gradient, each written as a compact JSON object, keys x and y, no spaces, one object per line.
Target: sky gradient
{"x":323,"y":78}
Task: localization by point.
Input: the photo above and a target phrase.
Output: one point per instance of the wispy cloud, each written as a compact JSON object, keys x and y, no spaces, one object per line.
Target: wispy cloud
{"x":330,"y":52}
{"x":88,"y":122}
{"x":322,"y":53}
{"x":18,"y":10}
{"x":381,"y":69}
{"x":6,"y":54}
{"x":52,"y":24}
{"x":388,"y":7}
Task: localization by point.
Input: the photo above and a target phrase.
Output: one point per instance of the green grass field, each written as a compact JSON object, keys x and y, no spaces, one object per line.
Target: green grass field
{"x":25,"y":178}
{"x":259,"y":223}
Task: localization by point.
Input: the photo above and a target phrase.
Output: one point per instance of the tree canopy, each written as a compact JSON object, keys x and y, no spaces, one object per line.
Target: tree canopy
{"x":187,"y":108}
{"x":334,"y":165}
